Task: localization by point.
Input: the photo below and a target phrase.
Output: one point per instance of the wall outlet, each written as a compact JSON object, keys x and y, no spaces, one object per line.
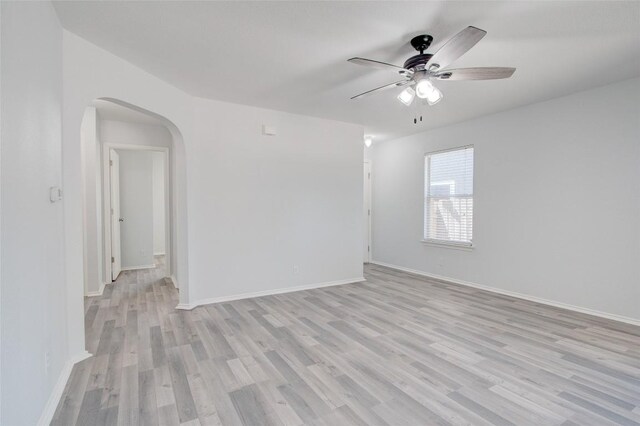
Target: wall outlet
{"x":296,"y":270}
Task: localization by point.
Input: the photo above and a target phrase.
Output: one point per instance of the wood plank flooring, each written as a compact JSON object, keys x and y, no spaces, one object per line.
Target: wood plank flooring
{"x":397,"y":349}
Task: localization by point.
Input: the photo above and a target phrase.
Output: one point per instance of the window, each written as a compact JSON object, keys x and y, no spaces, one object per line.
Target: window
{"x":448,"y":196}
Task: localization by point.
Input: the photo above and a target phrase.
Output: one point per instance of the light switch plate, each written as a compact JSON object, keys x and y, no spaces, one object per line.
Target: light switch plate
{"x":55,"y":194}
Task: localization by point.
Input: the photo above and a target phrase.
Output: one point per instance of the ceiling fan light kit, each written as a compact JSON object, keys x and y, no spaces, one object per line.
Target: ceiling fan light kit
{"x":420,"y":70}
{"x":435,"y":96}
{"x":406,"y":96}
{"x":426,"y":90}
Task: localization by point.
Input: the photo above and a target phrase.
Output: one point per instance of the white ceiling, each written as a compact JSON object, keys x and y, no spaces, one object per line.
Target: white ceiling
{"x":291,"y":56}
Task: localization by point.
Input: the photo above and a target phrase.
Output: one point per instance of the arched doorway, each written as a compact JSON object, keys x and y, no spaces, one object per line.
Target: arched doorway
{"x":96,"y":145}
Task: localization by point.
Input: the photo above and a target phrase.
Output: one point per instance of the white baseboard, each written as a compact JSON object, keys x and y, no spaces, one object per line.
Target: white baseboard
{"x":133,"y":268}
{"x":159,"y":254}
{"x":189,"y":306}
{"x":175,"y":281}
{"x":97,"y":293}
{"x":614,"y":317}
{"x":58,"y":389}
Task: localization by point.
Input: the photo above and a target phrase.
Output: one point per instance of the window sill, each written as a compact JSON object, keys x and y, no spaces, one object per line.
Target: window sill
{"x":449,"y":245}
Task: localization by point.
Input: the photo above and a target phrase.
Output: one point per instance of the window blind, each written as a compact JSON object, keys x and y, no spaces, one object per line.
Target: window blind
{"x":448,"y":202}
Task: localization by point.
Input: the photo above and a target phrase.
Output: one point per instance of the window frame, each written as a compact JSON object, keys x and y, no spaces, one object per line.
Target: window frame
{"x":463,"y":245}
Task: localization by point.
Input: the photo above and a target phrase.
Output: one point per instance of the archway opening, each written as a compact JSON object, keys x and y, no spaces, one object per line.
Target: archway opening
{"x":111,"y":127}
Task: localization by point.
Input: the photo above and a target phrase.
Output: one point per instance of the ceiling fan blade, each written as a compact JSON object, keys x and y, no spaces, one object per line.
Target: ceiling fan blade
{"x":378,"y":65}
{"x":386,"y":86}
{"x":457,"y":46}
{"x":487,"y":73}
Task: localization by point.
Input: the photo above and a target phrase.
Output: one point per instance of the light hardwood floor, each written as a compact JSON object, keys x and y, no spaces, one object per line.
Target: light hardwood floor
{"x":397,"y":349}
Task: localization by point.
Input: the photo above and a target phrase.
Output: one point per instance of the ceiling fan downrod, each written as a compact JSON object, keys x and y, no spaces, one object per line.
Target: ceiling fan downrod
{"x":420,"y":43}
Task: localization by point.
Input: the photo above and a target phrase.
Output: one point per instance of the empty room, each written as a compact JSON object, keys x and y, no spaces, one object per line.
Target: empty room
{"x":319,"y":213}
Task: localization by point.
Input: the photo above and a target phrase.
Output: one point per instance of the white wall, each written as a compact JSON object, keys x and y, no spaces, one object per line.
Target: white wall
{"x":33,"y":303}
{"x":220,"y":161}
{"x":92,"y":215}
{"x":159,"y":206}
{"x":243,"y":183}
{"x":136,"y":208}
{"x":125,"y":133}
{"x":556,"y":200}
{"x":262,"y":205}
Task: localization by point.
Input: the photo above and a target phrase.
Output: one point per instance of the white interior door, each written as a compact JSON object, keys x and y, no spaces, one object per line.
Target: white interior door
{"x":367,"y":212}
{"x":116,"y":220}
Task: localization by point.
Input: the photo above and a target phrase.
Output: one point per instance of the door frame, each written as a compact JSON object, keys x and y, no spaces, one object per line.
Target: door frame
{"x":367,"y":205}
{"x":106,"y":201}
{"x":113,"y":154}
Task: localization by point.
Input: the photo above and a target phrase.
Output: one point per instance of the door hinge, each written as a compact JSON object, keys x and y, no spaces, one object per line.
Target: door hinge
{"x":113,"y":259}
{"x":369,"y":212}
{"x":369,"y":175}
{"x":368,"y":248}
{"x":111,"y":162}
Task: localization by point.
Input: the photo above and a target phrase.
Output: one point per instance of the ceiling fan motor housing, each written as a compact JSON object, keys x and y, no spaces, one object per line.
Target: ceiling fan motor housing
{"x":417,"y":61}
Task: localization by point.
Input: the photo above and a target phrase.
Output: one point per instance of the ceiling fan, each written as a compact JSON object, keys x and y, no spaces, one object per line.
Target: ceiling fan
{"x":420,"y":70}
